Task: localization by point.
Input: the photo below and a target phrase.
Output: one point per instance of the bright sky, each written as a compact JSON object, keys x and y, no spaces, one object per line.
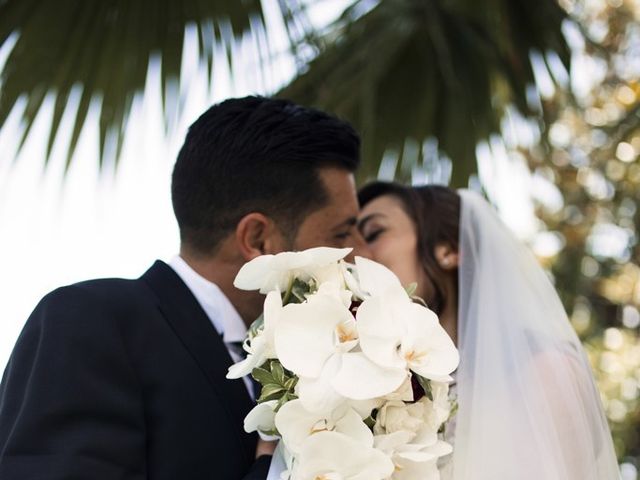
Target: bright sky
{"x":56,"y":230}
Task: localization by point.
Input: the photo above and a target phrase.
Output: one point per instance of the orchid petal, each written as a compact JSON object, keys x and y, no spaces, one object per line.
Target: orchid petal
{"x":321,"y":256}
{"x":351,"y":424}
{"x":389,"y":443}
{"x":242,"y":368}
{"x":359,"y":378}
{"x":426,"y":346}
{"x":316,"y":394}
{"x":305,"y":337}
{"x":261,"y":417}
{"x":252,"y":274}
{"x":351,"y":281}
{"x":333,"y":453}
{"x":256,"y":357}
{"x":380,"y":332}
{"x":296,"y":424}
{"x":375,"y":278}
{"x":268,"y":272}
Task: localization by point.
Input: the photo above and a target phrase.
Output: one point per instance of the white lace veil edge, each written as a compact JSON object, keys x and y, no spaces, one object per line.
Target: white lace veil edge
{"x":528,"y":405}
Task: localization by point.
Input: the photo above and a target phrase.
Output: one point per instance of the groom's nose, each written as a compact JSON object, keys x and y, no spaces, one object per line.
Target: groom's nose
{"x":360,"y":247}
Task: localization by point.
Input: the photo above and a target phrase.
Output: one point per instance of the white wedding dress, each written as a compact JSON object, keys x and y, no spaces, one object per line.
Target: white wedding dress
{"x":528,"y":405}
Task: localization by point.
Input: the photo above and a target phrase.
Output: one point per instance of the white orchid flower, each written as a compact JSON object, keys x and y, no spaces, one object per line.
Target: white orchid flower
{"x":350,"y":276}
{"x":375,"y":279}
{"x":295,"y":424}
{"x":396,"y":333}
{"x":359,"y":378}
{"x":271,"y":272}
{"x":335,"y":456}
{"x":411,"y":462}
{"x":332,"y":273}
{"x":309,"y":333}
{"x":396,"y":415}
{"x":319,"y":394}
{"x":403,"y":432}
{"x":261,"y":417}
{"x":335,"y":289}
{"x":406,"y":469}
{"x":413,"y":458}
{"x":261,"y":347}
{"x":403,"y":393}
{"x":438,"y":411}
{"x":316,"y":341}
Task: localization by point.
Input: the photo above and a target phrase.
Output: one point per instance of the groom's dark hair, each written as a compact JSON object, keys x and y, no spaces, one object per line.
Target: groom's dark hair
{"x":255,"y":154}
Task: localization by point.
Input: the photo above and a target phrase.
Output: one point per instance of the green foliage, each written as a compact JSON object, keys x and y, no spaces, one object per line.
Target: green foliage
{"x":370,"y":421}
{"x":297,"y":291}
{"x":277,"y":383}
{"x":426,"y":386}
{"x":256,"y":326}
{"x":104,"y":49}
{"x":406,"y":71}
{"x":588,"y":158}
{"x":411,"y":288}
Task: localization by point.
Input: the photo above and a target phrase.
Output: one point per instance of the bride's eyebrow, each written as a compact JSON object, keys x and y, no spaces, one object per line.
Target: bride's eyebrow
{"x":363,"y":221}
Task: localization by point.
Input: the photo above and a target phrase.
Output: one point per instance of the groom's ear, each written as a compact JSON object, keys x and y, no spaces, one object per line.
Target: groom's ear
{"x":257,"y":234}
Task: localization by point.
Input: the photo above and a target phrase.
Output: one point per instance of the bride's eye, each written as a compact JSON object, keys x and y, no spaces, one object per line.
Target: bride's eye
{"x":371,"y":237}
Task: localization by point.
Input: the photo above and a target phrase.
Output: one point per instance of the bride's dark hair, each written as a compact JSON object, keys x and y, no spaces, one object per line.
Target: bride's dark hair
{"x":435,"y":212}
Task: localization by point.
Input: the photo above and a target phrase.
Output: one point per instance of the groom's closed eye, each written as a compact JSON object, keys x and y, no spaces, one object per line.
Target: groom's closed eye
{"x":343,"y":235}
{"x":345,"y":229}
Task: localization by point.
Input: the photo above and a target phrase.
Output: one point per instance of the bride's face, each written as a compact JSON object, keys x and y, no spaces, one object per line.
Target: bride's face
{"x":392,"y":239}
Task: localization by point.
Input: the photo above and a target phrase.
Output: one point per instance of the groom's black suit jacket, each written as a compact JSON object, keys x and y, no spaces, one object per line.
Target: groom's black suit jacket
{"x":123,"y":380}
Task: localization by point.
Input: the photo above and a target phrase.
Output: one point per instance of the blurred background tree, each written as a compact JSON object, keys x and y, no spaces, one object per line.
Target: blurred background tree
{"x":588,"y":159}
{"x":437,"y":88}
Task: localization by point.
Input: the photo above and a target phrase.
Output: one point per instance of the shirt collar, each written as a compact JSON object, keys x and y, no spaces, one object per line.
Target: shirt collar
{"x":214,"y":302}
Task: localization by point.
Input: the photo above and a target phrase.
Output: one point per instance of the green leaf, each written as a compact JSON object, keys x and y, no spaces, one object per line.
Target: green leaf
{"x":284,"y":399}
{"x":278,"y":373}
{"x":263,"y":376}
{"x":105,"y":48}
{"x":426,"y":386}
{"x":290,"y":384}
{"x":412,"y":71}
{"x":272,"y":433}
{"x":300,"y":290}
{"x":411,"y":288}
{"x":270,"y":391}
{"x":256,"y":326}
{"x":369,"y":422}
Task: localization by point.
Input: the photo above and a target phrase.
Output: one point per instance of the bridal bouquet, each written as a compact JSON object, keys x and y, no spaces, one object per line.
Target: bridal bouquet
{"x":354,"y":373}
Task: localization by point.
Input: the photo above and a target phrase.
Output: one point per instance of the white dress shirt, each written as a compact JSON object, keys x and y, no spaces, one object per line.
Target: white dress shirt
{"x":223,"y":315}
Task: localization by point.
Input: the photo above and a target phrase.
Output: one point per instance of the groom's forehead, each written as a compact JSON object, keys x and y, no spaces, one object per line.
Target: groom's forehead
{"x":340,"y":188}
{"x":340,"y":209}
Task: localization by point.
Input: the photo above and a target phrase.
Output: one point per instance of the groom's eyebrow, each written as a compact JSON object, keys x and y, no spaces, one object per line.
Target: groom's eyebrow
{"x":349,"y":222}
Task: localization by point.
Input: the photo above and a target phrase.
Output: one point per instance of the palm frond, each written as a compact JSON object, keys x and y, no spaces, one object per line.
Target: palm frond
{"x":430,"y":69}
{"x":105,"y":47}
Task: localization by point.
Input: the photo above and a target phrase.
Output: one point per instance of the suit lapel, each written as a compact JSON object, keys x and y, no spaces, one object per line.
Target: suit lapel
{"x":193,"y":327}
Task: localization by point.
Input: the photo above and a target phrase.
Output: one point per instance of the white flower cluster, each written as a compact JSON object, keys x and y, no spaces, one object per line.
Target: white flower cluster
{"x":355,"y":374}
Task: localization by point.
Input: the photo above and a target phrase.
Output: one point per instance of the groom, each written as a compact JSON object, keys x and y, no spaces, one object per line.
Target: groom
{"x":125,"y":379}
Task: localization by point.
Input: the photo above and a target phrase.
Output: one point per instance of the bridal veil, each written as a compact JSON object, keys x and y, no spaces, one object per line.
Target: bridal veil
{"x":528,"y":405}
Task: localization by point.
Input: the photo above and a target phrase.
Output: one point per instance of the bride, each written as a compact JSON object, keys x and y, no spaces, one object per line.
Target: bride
{"x":528,"y":408}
